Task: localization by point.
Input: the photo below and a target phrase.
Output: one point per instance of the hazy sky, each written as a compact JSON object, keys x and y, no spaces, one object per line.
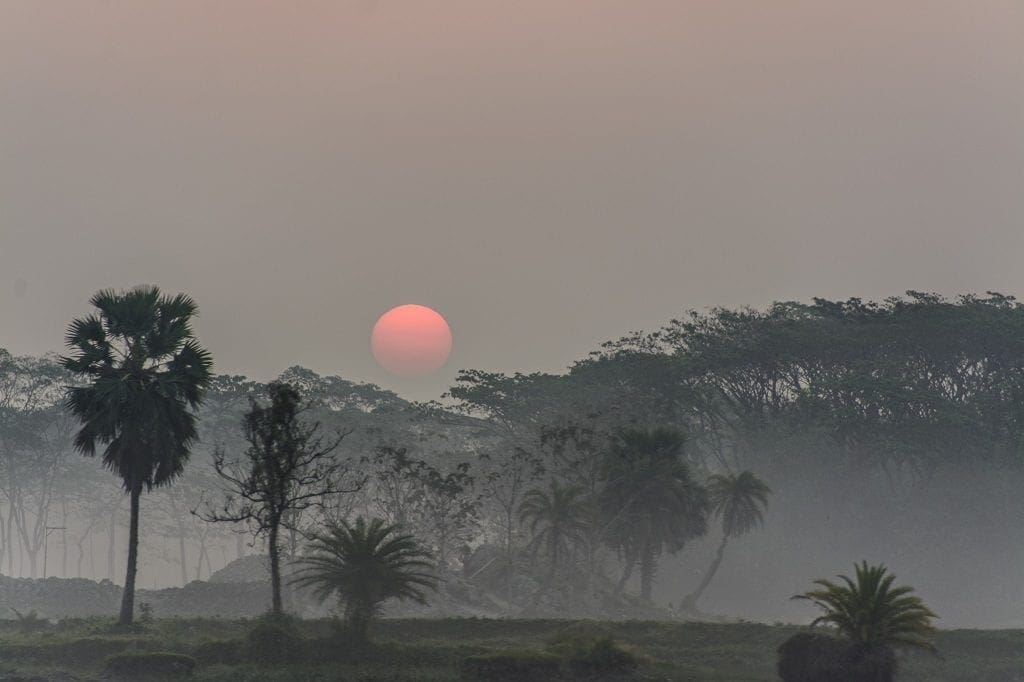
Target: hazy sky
{"x":547,"y":174}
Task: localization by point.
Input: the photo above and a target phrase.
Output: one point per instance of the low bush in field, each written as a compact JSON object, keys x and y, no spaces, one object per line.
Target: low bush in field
{"x":150,"y":665}
{"x":814,"y":657}
{"x":602,"y":658}
{"x":508,"y":666}
{"x":275,"y":642}
{"x":84,"y":652}
{"x":220,"y":652}
{"x":590,"y":652}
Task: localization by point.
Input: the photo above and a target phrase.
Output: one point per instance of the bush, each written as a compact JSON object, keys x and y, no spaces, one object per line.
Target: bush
{"x":150,"y":665}
{"x":589,"y":651}
{"x":810,"y":657}
{"x":813,"y":657}
{"x":30,"y":622}
{"x":220,"y":652}
{"x":275,"y":642}
{"x":511,"y":666}
{"x":602,"y":658}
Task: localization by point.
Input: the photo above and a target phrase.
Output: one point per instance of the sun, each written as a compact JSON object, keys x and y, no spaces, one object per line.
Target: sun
{"x":411,"y":341}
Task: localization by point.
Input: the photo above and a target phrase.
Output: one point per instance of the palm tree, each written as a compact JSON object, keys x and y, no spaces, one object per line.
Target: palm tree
{"x":873,"y":616}
{"x":558,"y":519}
{"x":145,"y":376}
{"x":364,"y":564}
{"x":738,"y":500}
{"x":650,"y":502}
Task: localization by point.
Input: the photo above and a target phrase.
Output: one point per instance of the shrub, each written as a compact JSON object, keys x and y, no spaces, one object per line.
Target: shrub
{"x":220,"y":652}
{"x":275,"y":642}
{"x":814,"y":657}
{"x":150,"y":665}
{"x":589,"y":651}
{"x":511,"y":666}
{"x":30,"y":622}
{"x":810,"y":657}
{"x":601,"y":658}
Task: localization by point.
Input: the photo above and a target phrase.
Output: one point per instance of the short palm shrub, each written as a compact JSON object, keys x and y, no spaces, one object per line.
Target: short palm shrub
{"x":30,"y":622}
{"x":871,"y":618}
{"x":363,"y":564}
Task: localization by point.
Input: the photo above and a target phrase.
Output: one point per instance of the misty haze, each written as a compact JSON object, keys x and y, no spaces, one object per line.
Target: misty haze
{"x":476,"y":340}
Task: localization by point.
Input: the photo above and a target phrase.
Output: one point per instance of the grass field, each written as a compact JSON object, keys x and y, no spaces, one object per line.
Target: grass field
{"x":436,"y":649}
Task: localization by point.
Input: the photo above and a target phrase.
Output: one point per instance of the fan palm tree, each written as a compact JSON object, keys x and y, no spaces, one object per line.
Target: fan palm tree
{"x":364,"y":564}
{"x":650,"y":502}
{"x":871,"y":613}
{"x":558,"y":519}
{"x":738,"y":500}
{"x":145,"y":376}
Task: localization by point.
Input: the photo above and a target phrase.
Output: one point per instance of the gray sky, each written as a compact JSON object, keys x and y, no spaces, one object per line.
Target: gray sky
{"x":547,"y":174}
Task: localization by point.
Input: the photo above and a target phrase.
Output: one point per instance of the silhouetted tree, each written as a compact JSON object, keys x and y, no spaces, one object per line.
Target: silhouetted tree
{"x":364,"y":564}
{"x":650,"y":502}
{"x":738,"y":500}
{"x":286,"y":468}
{"x":874,"y":618}
{"x":558,"y":519}
{"x":146,"y":375}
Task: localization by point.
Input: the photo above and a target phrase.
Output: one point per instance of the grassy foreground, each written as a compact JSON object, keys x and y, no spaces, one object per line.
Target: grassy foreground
{"x":436,"y":649}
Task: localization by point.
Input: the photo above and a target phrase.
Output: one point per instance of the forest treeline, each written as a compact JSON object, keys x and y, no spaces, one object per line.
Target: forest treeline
{"x":524,"y":486}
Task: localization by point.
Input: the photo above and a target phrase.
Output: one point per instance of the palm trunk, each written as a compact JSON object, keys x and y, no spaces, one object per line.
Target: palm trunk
{"x":112,"y":545}
{"x":627,"y":573}
{"x":549,"y":580}
{"x":511,"y":567}
{"x":276,"y":609}
{"x":648,"y":565}
{"x":690,"y":601}
{"x":128,"y":595}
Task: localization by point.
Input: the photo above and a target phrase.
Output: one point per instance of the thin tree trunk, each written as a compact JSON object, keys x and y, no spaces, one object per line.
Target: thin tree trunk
{"x":275,"y":572}
{"x":112,"y":546}
{"x":511,"y":568}
{"x":64,"y":545}
{"x":128,"y":596}
{"x":690,"y":601}
{"x":181,"y":557}
{"x":627,"y":573}
{"x":648,"y":565}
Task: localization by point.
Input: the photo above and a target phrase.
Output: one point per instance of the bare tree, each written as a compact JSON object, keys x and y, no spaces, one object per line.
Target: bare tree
{"x":286,"y":469}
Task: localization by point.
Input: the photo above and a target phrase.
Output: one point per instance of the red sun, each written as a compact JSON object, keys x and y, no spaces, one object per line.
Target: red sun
{"x":411,"y":340}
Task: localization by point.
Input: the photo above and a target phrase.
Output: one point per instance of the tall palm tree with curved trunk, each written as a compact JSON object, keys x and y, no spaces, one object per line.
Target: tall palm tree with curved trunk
{"x":650,"y":501}
{"x":144,"y":377}
{"x":558,"y":519}
{"x":738,"y":500}
{"x":364,"y":564}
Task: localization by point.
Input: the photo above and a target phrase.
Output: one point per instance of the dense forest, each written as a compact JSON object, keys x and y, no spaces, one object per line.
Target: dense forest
{"x":889,"y":431}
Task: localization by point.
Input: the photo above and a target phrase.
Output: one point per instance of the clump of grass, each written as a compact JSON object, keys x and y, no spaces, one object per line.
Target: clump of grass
{"x":151,"y":665}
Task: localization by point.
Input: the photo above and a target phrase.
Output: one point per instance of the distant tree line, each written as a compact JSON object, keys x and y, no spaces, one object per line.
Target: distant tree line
{"x":532,"y":492}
